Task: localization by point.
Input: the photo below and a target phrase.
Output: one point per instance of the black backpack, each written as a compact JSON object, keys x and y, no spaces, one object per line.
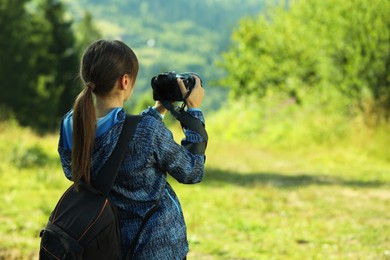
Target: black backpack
{"x":84,"y":224}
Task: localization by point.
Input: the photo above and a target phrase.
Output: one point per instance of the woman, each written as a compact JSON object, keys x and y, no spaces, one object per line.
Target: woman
{"x":90,"y":131}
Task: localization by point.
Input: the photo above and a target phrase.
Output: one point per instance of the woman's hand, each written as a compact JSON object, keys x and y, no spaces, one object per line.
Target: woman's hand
{"x":194,"y":100}
{"x":197,"y":93}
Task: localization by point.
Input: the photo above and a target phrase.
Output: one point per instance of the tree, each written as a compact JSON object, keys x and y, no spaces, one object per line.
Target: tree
{"x":61,"y":59}
{"x":38,"y":61}
{"x":325,"y":46}
{"x":14,"y":72}
{"x":86,"y":32}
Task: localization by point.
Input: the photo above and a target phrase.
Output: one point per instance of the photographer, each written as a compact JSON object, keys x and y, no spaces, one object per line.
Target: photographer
{"x":89,"y":134}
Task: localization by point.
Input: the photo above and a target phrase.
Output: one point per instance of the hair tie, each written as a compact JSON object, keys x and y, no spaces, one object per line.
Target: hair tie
{"x":90,"y":86}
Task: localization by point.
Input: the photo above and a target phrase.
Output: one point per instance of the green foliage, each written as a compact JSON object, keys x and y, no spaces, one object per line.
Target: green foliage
{"x":26,"y":157}
{"x":43,"y":40}
{"x":171,"y":35}
{"x":13,"y":54}
{"x":276,"y":122}
{"x":38,"y":62}
{"x":315,"y":46}
{"x":282,"y":181}
{"x":86,"y":32}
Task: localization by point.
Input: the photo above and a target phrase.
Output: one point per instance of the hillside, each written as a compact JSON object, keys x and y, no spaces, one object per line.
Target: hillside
{"x":171,"y":35}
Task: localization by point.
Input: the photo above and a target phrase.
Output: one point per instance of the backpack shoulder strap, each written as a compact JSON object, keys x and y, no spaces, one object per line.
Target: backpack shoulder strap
{"x":107,"y":174}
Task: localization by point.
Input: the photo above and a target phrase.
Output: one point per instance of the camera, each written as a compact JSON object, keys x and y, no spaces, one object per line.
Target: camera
{"x":166,"y":88}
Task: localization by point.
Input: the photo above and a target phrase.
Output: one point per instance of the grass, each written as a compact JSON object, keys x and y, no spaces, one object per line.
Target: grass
{"x":255,"y":202}
{"x":278,"y":205}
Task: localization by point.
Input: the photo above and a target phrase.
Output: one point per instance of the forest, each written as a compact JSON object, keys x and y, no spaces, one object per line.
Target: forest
{"x":297,"y":109}
{"x":305,"y":51}
{"x":47,"y":37}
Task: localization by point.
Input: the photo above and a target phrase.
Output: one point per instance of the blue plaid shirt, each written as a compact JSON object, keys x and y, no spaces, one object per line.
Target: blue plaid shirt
{"x":142,"y":179}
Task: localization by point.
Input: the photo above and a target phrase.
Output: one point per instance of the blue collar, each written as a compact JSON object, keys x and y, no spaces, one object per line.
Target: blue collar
{"x":103,"y":125}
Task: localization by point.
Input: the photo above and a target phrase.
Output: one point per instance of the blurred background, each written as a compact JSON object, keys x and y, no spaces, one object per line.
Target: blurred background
{"x":42,"y":42}
{"x":297,"y":108}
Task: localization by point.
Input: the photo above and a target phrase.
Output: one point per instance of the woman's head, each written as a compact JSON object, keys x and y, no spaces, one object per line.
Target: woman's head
{"x":104,"y":62}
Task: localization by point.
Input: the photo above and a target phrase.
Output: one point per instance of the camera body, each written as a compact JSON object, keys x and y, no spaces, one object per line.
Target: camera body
{"x":166,"y":88}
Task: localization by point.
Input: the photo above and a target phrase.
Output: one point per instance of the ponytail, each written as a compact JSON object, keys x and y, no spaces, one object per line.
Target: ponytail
{"x":84,"y":128}
{"x":102,"y":64}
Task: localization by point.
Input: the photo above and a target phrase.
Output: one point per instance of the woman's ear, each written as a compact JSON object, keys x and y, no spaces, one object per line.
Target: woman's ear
{"x":127,"y":84}
{"x":125,"y":81}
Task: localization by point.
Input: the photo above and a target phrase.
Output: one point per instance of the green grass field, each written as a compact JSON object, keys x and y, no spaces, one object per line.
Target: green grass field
{"x":254,"y":202}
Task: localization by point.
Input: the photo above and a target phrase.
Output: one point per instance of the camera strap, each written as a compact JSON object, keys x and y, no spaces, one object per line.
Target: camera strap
{"x":188,"y":121}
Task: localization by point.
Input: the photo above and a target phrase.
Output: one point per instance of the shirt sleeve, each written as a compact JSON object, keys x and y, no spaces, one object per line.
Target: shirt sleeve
{"x":173,"y":158}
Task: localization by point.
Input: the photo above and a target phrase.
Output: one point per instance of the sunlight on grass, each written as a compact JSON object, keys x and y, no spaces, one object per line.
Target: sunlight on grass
{"x":255,"y":202}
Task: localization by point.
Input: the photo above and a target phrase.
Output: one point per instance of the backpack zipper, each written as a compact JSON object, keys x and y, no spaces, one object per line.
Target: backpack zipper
{"x":101,"y":211}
